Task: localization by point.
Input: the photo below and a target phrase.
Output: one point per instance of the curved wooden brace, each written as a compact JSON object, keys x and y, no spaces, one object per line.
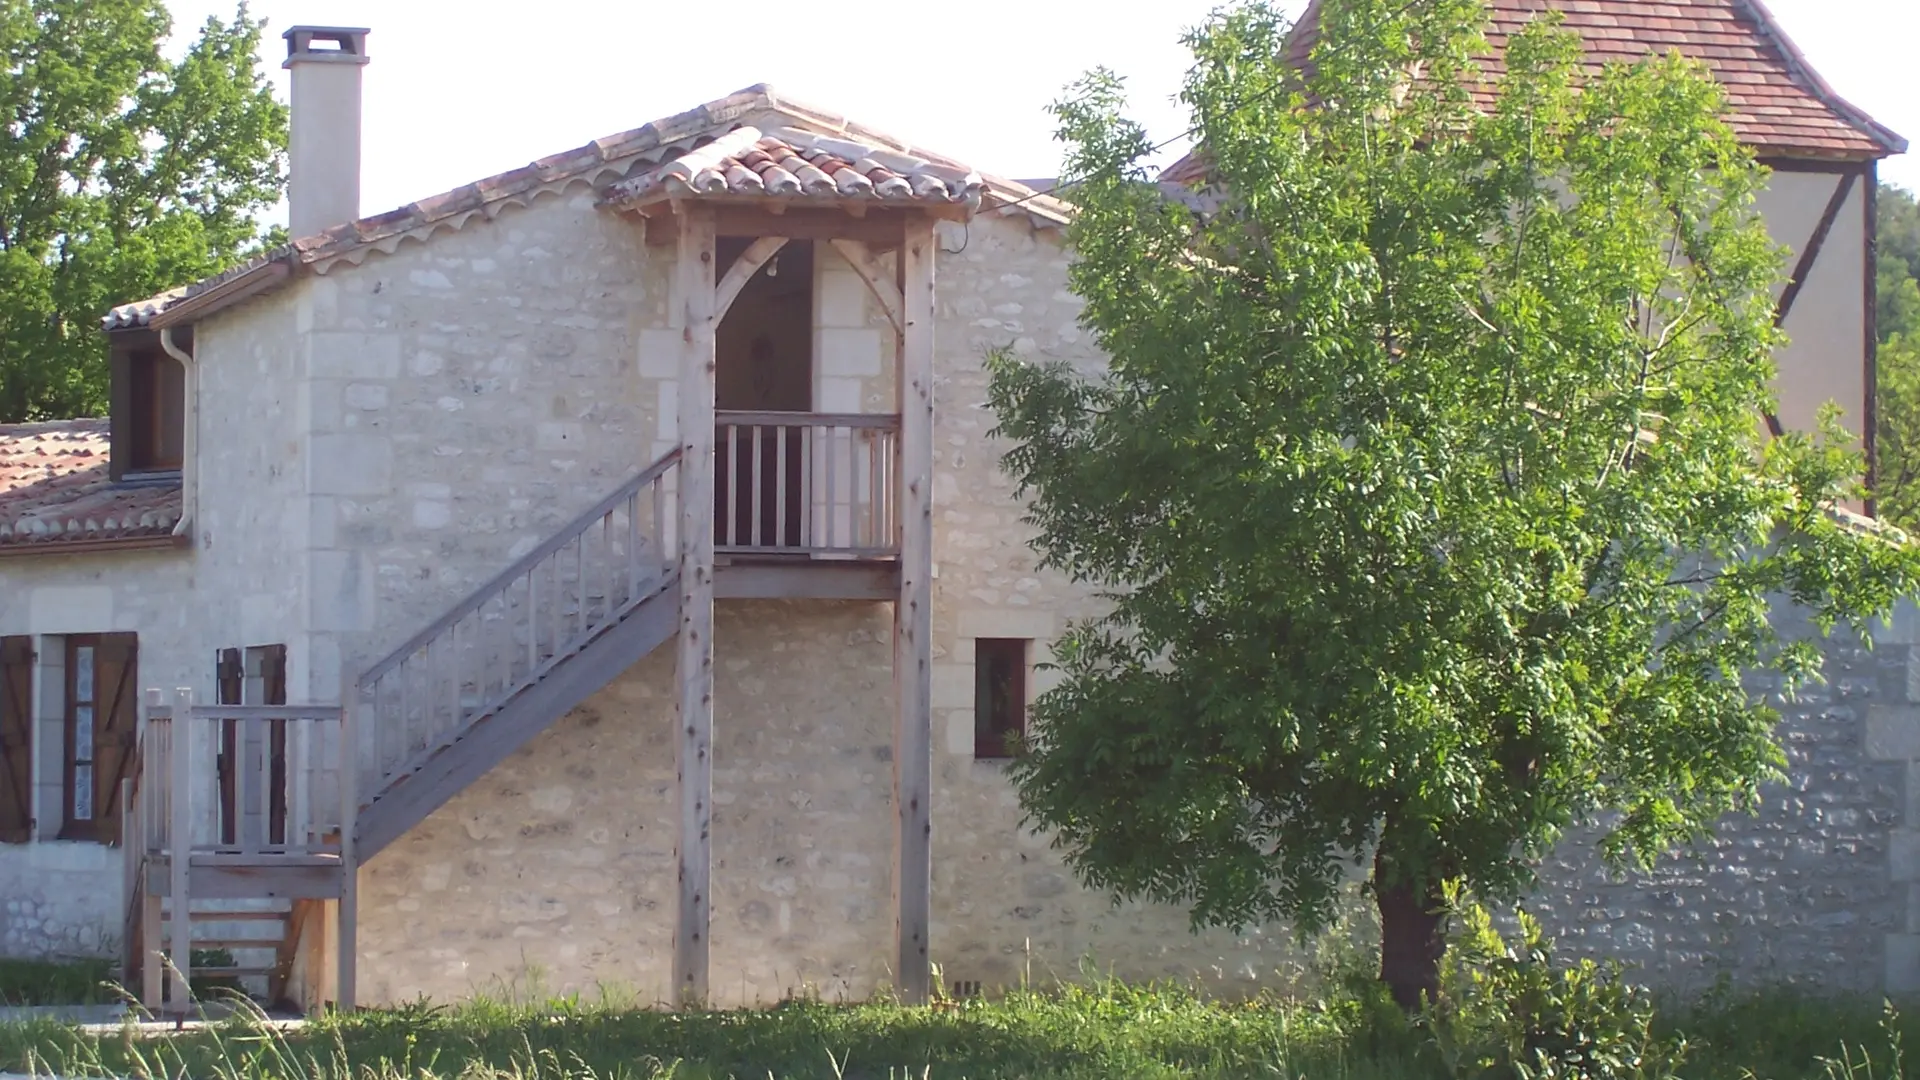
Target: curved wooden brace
{"x":883,"y":290}
{"x":742,"y":271}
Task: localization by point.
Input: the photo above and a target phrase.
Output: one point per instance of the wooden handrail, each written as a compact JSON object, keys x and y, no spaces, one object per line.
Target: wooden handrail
{"x":266,"y":712}
{"x":812,"y":484}
{"x":746,"y":418}
{"x":512,"y":631}
{"x":519,"y":567}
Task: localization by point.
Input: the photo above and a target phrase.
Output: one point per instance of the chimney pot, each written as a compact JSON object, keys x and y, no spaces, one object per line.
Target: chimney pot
{"x":323,"y":182}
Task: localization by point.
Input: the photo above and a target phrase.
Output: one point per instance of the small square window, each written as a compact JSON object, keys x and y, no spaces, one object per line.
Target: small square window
{"x":999,"y":697}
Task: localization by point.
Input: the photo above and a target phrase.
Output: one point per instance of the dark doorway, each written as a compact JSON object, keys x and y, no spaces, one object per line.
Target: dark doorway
{"x":764,"y":365}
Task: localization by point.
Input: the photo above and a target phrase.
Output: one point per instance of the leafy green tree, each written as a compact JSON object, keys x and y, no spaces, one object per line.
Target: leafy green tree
{"x":1425,"y":479}
{"x":121,"y":174}
{"x":1897,"y":440}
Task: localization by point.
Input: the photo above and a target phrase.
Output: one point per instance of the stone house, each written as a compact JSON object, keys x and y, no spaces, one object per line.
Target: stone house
{"x":601,"y":573}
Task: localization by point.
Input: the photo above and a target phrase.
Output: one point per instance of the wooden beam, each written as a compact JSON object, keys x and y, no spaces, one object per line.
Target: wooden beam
{"x":912,"y":621}
{"x":742,"y":271}
{"x":886,"y":292}
{"x":693,"y":844}
{"x":803,"y":223}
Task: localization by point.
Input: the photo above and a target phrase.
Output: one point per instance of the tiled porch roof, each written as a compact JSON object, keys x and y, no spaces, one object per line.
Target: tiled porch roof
{"x":55,"y":492}
{"x":789,"y":163}
{"x":598,"y":164}
{"x":1776,"y":102}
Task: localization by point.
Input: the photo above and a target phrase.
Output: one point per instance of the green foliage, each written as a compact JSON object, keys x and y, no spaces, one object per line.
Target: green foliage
{"x":121,"y":174}
{"x":1424,"y":478}
{"x":1507,"y":1011}
{"x":1897,"y":446}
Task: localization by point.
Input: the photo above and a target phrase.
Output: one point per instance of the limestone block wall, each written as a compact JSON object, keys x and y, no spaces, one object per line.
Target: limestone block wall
{"x":251,"y":528}
{"x":1005,"y":907}
{"x":469,"y":396}
{"x":556,"y":870}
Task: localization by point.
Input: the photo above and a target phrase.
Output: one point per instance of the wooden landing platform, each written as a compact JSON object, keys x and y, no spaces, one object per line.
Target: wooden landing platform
{"x":774,"y":577}
{"x":217,"y":876}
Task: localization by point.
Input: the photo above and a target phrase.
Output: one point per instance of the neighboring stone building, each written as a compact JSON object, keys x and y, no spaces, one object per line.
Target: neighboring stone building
{"x":437,"y":464}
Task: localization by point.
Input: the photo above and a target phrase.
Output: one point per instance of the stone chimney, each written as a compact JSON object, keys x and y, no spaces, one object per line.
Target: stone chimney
{"x":323,"y":182}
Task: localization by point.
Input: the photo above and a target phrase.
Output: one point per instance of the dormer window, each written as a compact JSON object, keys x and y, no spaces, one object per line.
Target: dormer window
{"x":149,"y":411}
{"x":160,"y":412}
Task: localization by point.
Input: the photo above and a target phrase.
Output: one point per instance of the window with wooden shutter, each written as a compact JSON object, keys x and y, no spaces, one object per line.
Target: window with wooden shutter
{"x":16,"y":740}
{"x":102,"y":722}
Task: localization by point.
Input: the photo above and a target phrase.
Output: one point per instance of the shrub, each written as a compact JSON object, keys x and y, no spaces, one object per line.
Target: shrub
{"x":1507,"y":1010}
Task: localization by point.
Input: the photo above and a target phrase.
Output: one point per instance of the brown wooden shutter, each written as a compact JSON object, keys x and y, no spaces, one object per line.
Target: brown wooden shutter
{"x":231,"y":674}
{"x":117,"y":727}
{"x":273,"y":683}
{"x":16,"y":740}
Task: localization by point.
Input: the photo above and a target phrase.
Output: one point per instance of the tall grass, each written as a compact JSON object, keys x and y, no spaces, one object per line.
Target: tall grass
{"x":1107,"y":1030}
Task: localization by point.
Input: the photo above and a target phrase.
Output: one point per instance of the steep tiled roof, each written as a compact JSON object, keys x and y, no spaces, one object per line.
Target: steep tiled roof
{"x":803,"y":165}
{"x":55,"y":491}
{"x":599,"y":163}
{"x":1776,"y":102}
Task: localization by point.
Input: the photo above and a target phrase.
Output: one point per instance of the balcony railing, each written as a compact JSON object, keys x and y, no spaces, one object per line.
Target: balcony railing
{"x":286,"y":799}
{"x":819,"y":484}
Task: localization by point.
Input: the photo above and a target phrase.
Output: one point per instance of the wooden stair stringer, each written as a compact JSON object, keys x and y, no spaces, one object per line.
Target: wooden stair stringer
{"x":490,"y":739}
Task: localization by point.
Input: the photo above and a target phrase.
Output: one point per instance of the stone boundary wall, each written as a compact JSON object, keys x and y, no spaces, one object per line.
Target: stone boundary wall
{"x":1821,"y":887}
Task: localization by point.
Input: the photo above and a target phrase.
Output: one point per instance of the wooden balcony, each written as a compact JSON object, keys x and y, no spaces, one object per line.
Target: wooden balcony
{"x":805,"y":505}
{"x":250,"y":794}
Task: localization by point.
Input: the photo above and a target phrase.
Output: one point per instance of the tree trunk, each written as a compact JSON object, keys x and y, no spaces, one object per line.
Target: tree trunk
{"x":1412,"y":938}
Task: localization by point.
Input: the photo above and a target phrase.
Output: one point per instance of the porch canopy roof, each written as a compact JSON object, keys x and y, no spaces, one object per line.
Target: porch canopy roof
{"x":785,"y":167}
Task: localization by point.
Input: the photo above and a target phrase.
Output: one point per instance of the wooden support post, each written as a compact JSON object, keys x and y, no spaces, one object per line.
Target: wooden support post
{"x":345,"y":937}
{"x":912,"y":621}
{"x":180,"y":851}
{"x":693,"y":848}
{"x":155,"y":774}
{"x":151,"y":972}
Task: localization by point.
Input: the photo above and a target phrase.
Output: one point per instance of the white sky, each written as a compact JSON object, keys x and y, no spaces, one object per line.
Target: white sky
{"x":461,"y":89}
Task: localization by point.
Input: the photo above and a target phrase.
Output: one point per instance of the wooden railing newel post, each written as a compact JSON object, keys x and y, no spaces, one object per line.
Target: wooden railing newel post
{"x":180,"y":850}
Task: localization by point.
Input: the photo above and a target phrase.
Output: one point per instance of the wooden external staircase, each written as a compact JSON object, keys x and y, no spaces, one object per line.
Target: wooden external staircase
{"x":804,"y":509}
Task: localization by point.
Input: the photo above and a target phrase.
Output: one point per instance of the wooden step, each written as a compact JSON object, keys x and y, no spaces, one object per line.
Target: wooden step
{"x":237,"y":943}
{"x":194,"y":915}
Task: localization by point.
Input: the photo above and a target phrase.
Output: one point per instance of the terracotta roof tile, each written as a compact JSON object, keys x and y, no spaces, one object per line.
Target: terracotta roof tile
{"x":791,"y":163}
{"x":55,"y":490}
{"x":1776,"y":102}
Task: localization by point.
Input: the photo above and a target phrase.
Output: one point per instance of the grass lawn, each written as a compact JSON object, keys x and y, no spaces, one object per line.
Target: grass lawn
{"x":44,"y":982}
{"x":1110,"y":1031}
